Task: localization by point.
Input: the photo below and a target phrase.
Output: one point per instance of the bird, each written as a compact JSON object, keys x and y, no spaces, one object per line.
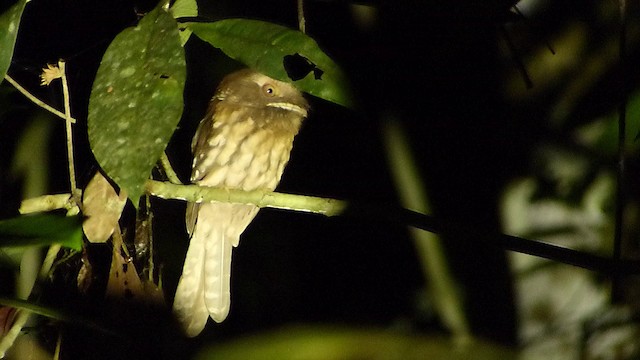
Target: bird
{"x":243,"y":142}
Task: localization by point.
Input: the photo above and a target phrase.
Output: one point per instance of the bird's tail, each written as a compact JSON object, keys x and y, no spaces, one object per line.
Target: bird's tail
{"x":203,"y":289}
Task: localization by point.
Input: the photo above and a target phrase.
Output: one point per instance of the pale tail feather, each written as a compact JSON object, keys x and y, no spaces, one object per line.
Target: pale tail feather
{"x":188,"y":304}
{"x":204,"y":287}
{"x":215,"y":229}
{"x":217,"y":275}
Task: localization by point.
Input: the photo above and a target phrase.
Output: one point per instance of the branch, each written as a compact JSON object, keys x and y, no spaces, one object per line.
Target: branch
{"x":49,"y":203}
{"x":396,"y":215}
{"x":262,"y":199}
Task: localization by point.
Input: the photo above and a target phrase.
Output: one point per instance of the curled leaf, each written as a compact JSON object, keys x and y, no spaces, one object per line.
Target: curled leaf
{"x":102,"y":208}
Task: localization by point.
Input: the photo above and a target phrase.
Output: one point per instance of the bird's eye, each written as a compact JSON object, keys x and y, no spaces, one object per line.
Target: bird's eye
{"x":269,"y":90}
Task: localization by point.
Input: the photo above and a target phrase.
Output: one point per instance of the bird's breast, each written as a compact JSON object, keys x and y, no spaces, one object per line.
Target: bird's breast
{"x":243,"y":156}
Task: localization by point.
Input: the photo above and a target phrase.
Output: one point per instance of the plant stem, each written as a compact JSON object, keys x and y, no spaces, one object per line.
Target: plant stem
{"x":168,"y":170}
{"x":37,"y":101}
{"x":69,"y":131}
{"x":301,"y":20}
{"x":429,"y":247}
{"x":622,"y":123}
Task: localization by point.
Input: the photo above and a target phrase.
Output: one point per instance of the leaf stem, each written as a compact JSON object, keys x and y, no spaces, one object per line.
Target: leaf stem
{"x":69,"y":130}
{"x":37,"y":101}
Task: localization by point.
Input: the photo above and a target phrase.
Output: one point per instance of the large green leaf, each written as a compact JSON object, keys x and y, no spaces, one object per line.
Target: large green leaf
{"x":42,"y":229}
{"x":9,"y":23}
{"x":136,"y":100}
{"x":266,"y":47}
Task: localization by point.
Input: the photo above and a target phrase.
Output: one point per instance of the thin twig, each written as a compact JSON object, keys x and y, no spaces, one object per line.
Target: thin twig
{"x":168,"y":170}
{"x":517,"y":58}
{"x":56,"y":353}
{"x":67,"y":112}
{"x":412,"y":194}
{"x":301,"y":20}
{"x":37,"y":101}
{"x":622,"y":123}
{"x":150,"y":232}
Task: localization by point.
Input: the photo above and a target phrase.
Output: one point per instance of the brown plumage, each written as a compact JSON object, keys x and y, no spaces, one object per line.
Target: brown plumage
{"x":243,"y":142}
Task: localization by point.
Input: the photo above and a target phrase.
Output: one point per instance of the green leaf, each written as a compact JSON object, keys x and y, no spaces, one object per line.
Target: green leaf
{"x":263,"y":46}
{"x":9,"y":23}
{"x":602,"y":134}
{"x":184,"y":8}
{"x":53,"y":313}
{"x":42,"y":229}
{"x":136,"y":100}
{"x":34,"y":308}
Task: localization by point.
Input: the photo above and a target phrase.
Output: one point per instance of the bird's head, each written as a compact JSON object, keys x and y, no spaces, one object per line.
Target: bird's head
{"x":248,"y":88}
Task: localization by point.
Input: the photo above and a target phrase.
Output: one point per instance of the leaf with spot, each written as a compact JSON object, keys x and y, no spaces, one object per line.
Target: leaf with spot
{"x":270,"y":49}
{"x":136,"y":101}
{"x":9,"y":24}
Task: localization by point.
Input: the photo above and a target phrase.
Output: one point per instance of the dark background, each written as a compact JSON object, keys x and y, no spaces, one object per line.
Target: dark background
{"x":438,"y":66}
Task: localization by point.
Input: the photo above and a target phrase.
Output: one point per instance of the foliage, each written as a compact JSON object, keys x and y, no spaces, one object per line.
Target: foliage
{"x":41,"y":229}
{"x":266,"y":48}
{"x":136,"y":100}
{"x":9,"y":24}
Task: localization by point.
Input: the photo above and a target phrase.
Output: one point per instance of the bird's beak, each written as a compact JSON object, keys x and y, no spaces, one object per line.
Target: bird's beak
{"x":289,"y":107}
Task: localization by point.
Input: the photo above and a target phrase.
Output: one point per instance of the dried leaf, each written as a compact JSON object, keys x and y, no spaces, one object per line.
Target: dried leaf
{"x":102,"y":207}
{"x":124,"y":282}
